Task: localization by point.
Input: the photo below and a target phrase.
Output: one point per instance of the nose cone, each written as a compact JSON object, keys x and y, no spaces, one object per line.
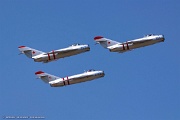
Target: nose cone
{"x":163,"y":38}
{"x":88,"y":48}
{"x":102,"y":73}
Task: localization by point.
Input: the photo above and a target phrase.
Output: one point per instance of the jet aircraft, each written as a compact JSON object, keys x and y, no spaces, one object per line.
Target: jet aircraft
{"x":55,"y":81}
{"x":40,"y":56}
{"x":115,"y":46}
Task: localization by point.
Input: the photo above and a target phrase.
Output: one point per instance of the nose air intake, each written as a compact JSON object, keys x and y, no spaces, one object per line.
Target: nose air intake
{"x":163,"y":38}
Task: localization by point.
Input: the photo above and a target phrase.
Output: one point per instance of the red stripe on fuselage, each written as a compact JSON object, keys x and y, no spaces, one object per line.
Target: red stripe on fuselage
{"x":64,"y":82}
{"x":49,"y":56}
{"x":54,"y":54}
{"x":127,"y":46}
{"x":123,"y":47}
{"x":68,"y":80}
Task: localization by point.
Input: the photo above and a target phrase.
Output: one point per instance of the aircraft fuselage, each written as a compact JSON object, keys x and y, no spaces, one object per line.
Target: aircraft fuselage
{"x":87,"y":76}
{"x":137,"y":43}
{"x":54,"y":55}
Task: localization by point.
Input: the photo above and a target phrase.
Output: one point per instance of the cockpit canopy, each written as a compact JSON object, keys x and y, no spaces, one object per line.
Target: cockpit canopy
{"x":76,"y":44}
{"x":90,"y":70}
{"x":149,"y":35}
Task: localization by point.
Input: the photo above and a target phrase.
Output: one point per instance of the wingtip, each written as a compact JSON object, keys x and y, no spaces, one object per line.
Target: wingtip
{"x":39,"y":72}
{"x":98,"y":37}
{"x":21,"y":46}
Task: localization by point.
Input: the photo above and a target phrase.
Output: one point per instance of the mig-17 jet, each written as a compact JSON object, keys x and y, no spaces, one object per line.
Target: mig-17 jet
{"x":40,"y":56}
{"x":115,"y":46}
{"x":55,"y":81}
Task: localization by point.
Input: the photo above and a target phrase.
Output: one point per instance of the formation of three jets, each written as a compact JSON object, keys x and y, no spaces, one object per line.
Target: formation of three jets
{"x":74,"y":49}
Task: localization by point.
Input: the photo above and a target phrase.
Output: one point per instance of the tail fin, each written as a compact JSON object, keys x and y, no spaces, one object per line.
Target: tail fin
{"x":104,"y":41}
{"x":45,"y":76}
{"x":29,"y":52}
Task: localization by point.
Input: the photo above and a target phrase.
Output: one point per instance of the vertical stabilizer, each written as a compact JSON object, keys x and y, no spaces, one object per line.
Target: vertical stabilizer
{"x":45,"y":76}
{"x":104,"y":41}
{"x":29,"y":52}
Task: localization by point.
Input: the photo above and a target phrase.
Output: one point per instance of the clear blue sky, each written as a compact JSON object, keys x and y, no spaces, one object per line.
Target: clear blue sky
{"x":139,"y":85}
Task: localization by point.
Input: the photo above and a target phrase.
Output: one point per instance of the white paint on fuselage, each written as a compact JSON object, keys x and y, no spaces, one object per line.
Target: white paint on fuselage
{"x":77,"y":78}
{"x":137,"y":43}
{"x":54,"y":56}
